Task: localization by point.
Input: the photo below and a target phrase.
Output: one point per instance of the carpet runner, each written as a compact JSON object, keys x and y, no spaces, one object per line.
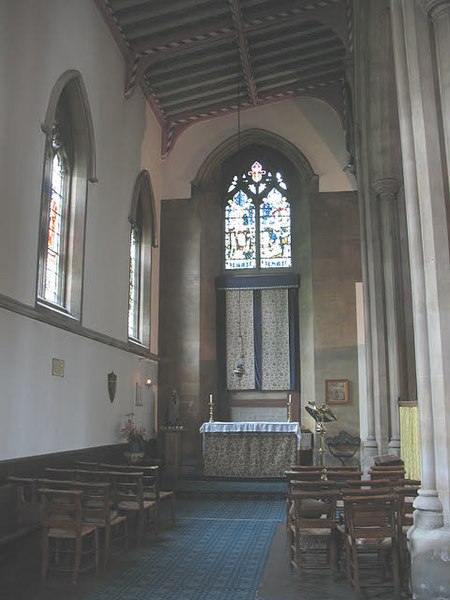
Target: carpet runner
{"x":217,"y":551}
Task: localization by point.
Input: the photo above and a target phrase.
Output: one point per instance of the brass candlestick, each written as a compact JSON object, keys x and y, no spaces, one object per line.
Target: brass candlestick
{"x":289,"y":408}
{"x":321,"y":415}
{"x":211,"y":409}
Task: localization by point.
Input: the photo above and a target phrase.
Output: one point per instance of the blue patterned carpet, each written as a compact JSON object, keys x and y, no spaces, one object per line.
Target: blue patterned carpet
{"x":251,"y":488}
{"x":217,"y":551}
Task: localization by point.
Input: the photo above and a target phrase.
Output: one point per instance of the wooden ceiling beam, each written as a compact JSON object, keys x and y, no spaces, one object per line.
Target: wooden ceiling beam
{"x":244,"y":52}
{"x":165,"y":94}
{"x":202,"y":30}
{"x":146,"y":10}
{"x":137,"y":69}
{"x":320,"y":77}
{"x":293,"y":63}
{"x":114,"y":28}
{"x":184,"y":78}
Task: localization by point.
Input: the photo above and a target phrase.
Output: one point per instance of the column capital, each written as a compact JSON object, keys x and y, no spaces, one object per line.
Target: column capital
{"x":386,"y":188}
{"x":436,"y":8}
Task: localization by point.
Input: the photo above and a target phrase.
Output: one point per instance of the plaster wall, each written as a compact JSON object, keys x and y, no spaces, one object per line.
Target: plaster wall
{"x":308,"y":123}
{"x":40,"y":413}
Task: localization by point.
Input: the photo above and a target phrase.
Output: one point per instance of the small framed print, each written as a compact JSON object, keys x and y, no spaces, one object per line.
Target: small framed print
{"x":336,"y":391}
{"x":138,"y":395}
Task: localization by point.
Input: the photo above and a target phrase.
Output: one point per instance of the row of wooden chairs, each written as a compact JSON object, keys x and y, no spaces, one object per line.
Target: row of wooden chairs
{"x":77,"y":504}
{"x":375,"y":515}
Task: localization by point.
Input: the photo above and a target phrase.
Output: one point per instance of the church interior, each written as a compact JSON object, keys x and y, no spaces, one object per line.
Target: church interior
{"x":233,"y":286}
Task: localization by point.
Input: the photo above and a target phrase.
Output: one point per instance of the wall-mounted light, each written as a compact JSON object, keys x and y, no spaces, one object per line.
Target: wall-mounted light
{"x":148,"y":381}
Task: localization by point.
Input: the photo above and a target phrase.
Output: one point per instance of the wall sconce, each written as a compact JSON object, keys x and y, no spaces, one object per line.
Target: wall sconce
{"x":148,"y":381}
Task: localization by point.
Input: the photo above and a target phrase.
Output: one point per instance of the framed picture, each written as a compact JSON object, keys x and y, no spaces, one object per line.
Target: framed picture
{"x":138,"y":395}
{"x":336,"y":391}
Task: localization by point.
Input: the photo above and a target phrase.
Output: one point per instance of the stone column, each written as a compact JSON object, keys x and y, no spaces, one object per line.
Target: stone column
{"x":439,"y":13}
{"x":387,"y":189}
{"x":429,"y":263}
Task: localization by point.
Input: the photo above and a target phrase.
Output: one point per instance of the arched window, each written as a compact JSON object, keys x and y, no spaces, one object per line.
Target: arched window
{"x":134,"y":293}
{"x":69,"y":163}
{"x":257,"y":219}
{"x":142,"y":239}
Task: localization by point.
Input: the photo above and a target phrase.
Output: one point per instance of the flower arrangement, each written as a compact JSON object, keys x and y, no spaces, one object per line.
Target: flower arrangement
{"x":134,"y":435}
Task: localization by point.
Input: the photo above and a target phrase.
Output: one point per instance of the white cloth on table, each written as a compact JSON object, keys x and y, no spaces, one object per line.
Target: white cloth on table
{"x":251,"y":426}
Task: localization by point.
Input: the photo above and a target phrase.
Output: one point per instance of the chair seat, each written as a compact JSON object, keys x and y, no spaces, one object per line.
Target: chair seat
{"x":62,"y":532}
{"x":99,"y":521}
{"x":166,"y":493}
{"x":374,"y":543}
{"x":315,"y":532}
{"x":133,"y":505}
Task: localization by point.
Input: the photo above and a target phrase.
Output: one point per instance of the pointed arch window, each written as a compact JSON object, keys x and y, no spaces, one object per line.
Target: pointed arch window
{"x":258,"y":220}
{"x":57,"y":225}
{"x":68,"y":166}
{"x":135,"y":285}
{"x":142,"y":240}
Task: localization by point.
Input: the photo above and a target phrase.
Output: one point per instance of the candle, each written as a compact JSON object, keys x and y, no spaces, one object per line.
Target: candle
{"x":210,"y":399}
{"x":290,"y":399}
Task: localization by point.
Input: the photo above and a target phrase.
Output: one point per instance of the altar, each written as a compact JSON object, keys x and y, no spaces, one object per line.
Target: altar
{"x":249,"y":449}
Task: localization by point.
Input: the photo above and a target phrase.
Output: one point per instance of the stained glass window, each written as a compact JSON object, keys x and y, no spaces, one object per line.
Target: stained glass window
{"x":135,"y":283}
{"x":275,"y":230}
{"x":240,"y":232}
{"x":56,"y":229}
{"x":257,"y":220}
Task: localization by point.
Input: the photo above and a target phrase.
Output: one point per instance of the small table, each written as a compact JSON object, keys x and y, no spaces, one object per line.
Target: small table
{"x":249,"y":449}
{"x":172,"y":451}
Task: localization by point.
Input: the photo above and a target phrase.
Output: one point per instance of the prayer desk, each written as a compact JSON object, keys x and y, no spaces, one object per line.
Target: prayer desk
{"x":249,"y":449}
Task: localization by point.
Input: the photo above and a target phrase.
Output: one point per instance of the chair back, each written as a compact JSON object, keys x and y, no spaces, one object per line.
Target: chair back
{"x":58,"y":473}
{"x":61,"y":508}
{"x":315,"y":509}
{"x":95,"y":500}
{"x":372,"y":516}
{"x":319,"y":468}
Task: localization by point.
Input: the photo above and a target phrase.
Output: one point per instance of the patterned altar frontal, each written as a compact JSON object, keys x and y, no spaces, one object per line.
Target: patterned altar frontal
{"x":255,"y":450}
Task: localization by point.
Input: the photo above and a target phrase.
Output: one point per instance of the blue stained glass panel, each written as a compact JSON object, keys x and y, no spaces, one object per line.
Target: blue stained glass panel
{"x":275,"y":231}
{"x":240,"y":232}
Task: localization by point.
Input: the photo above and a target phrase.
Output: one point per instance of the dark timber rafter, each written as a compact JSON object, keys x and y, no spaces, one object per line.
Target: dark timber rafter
{"x":244,"y":52}
{"x":186,"y":55}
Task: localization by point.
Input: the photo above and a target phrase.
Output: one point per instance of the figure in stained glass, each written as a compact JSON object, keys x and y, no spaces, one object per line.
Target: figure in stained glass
{"x":257,"y":225}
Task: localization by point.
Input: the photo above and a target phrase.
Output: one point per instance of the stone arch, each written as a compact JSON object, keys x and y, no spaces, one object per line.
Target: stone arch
{"x":143,"y":189}
{"x":81,"y":112}
{"x":210,"y":169}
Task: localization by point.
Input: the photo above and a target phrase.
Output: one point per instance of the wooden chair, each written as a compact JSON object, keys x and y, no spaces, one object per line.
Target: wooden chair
{"x":152,"y":487}
{"x":67,"y":543}
{"x":406,"y":496}
{"x":296,"y":485}
{"x":387,"y":473}
{"x":97,"y":509}
{"x":343,"y":446}
{"x":58,"y":473}
{"x":128,"y":494}
{"x":313,"y":521}
{"x":371,"y":532}
{"x":329,"y":468}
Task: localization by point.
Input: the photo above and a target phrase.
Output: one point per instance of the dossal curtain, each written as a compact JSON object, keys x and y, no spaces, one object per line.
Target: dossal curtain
{"x":258,"y":325}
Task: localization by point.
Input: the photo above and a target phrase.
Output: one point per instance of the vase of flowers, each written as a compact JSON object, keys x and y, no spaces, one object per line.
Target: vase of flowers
{"x":135,"y":437}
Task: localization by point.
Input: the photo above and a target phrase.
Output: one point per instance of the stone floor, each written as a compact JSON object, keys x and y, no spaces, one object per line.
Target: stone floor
{"x":280,"y":583}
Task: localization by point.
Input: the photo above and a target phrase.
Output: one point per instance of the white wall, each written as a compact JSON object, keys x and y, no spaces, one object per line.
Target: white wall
{"x":310,"y":124}
{"x":41,"y":413}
